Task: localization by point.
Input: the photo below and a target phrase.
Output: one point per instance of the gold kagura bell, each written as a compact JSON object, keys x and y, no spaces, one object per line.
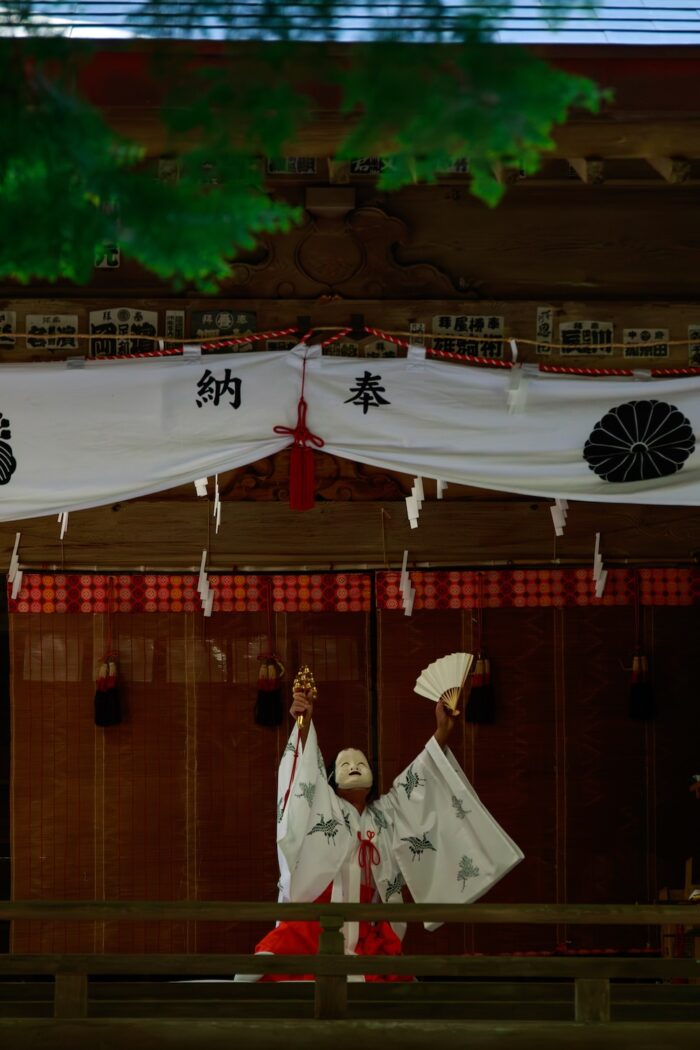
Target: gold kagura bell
{"x":304,"y":682}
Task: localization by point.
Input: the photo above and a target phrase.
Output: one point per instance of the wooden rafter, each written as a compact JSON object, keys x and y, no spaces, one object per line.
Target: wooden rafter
{"x":590,"y":170}
{"x":672,"y":169}
{"x":168,"y":534}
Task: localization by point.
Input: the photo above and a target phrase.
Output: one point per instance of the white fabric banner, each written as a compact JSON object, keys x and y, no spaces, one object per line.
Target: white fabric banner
{"x":114,"y":430}
{"x":110,"y":431}
{"x":603,"y":439}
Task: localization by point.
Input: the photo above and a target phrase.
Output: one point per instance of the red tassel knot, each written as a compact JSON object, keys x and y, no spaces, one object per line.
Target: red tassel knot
{"x":301,"y":463}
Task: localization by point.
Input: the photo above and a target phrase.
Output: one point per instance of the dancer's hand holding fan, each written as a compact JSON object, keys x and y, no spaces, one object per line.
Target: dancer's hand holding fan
{"x":444,"y":679}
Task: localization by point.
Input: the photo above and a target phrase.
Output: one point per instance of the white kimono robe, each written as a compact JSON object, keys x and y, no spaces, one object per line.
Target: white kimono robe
{"x":431,"y":832}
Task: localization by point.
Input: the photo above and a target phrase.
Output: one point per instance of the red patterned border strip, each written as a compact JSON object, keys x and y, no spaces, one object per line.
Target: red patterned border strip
{"x":324,"y":592}
{"x":539,"y":588}
{"x":73,"y":593}
{"x":351,"y":592}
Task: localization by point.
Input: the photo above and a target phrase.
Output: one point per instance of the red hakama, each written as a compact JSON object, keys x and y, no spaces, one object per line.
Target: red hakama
{"x":301,"y":938}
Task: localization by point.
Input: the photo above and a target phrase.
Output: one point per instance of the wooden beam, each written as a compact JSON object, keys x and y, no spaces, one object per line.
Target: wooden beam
{"x":331,"y":994}
{"x":505,"y":176}
{"x":269,"y":1034}
{"x":166,"y":534}
{"x":658,"y":995}
{"x":589,"y":169}
{"x":672,"y":169}
{"x":70,"y":995}
{"x":329,"y":202}
{"x":622,"y":136}
{"x":444,"y":966}
{"x":338,"y":172}
{"x":255,"y":911}
{"x":627,"y":136}
{"x":573,"y":268}
{"x":592,"y":999}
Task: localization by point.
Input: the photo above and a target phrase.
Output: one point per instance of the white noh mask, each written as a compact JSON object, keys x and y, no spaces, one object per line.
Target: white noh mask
{"x":352,"y":770}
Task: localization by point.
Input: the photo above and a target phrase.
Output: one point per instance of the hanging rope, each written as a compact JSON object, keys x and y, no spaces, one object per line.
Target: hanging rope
{"x":481,"y":703}
{"x":641,"y":698}
{"x":269,"y":708}
{"x":107,"y":705}
{"x":404,"y":340}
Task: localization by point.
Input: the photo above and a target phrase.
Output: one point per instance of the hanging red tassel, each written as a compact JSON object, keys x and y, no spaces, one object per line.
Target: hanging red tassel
{"x":302,"y":481}
{"x":641,"y":702}
{"x":108,"y":711}
{"x":481,"y":705}
{"x":302,"y":478}
{"x":268,"y":706}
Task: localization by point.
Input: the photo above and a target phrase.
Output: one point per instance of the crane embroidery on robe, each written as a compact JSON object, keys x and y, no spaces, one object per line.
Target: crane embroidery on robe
{"x":280,"y":810}
{"x":290,"y":747}
{"x":394,"y":886}
{"x":346,"y":818}
{"x":412,"y":781}
{"x":328,"y":827}
{"x":458,"y":806}
{"x":308,"y":790}
{"x":467,"y":870}
{"x":419,"y":846}
{"x":379,"y":819}
{"x":321,"y":763}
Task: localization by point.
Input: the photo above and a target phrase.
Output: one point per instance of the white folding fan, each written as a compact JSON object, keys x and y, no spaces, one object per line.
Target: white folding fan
{"x":444,"y":678}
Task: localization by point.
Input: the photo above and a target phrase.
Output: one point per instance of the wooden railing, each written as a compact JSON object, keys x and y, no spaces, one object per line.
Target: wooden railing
{"x":331,"y":967}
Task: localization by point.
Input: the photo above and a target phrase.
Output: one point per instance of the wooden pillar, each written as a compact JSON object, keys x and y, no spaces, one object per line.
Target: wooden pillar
{"x":70,"y":995}
{"x":592,"y":999}
{"x":331,"y":1001}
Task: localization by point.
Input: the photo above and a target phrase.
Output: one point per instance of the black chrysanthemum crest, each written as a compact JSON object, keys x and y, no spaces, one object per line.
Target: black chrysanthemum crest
{"x":8,"y":463}
{"x":639,"y":441}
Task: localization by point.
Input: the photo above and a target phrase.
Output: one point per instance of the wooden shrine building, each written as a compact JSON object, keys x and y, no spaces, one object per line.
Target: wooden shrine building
{"x":592,"y":263}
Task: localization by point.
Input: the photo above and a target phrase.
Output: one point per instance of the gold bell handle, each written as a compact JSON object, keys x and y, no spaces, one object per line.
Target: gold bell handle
{"x":304,"y":680}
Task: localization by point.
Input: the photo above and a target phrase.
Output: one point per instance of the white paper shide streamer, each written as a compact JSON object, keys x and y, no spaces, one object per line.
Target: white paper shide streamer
{"x":559,"y":511}
{"x":206,"y":594}
{"x":14,"y":573}
{"x":14,"y":559}
{"x":408,"y":591}
{"x":216,"y":513}
{"x":600,"y":575}
{"x":17,"y":583}
{"x":518,"y":384}
{"x":414,"y":502}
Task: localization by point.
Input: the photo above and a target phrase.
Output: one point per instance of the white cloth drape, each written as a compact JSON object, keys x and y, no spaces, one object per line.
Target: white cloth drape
{"x":77,"y":438}
{"x":452,"y":422}
{"x":115,"y":430}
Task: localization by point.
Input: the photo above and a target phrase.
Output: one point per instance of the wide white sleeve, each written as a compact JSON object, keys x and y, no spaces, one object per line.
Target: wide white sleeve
{"x":312,"y":836}
{"x":448,"y":846}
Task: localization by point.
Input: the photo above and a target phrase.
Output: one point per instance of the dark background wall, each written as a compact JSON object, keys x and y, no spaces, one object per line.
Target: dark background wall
{"x":179,"y":801}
